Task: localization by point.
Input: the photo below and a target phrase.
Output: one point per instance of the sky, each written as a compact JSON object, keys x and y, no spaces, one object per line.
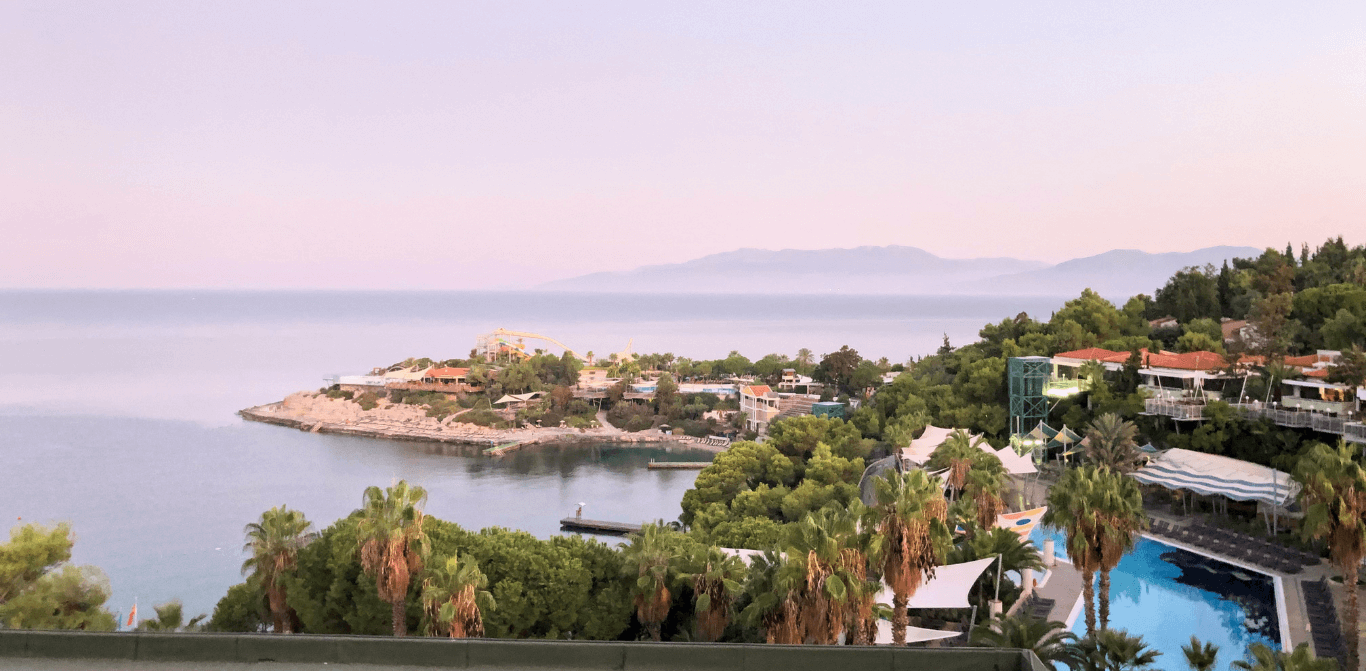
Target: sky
{"x":496,"y":145}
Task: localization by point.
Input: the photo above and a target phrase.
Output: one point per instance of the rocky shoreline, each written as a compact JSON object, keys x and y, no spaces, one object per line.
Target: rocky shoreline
{"x":316,"y":413}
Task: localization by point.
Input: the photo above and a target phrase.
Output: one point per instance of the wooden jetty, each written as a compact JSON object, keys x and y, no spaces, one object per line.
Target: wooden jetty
{"x":598,"y":526}
{"x":678,"y":465}
{"x":500,"y":449}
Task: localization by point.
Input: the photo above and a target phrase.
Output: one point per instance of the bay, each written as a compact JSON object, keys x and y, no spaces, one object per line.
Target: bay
{"x":117,"y":409}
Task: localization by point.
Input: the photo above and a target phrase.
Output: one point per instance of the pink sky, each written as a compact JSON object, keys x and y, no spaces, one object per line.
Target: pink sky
{"x":496,"y":145}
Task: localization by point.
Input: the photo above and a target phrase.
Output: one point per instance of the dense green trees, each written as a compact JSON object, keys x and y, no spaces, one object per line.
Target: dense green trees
{"x":751,"y":490}
{"x":39,"y":590}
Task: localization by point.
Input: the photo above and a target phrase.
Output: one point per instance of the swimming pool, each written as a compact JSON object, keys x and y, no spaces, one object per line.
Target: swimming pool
{"x":1166,"y":594}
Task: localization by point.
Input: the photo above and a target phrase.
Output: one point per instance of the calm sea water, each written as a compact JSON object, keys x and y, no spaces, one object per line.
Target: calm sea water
{"x":117,"y":409}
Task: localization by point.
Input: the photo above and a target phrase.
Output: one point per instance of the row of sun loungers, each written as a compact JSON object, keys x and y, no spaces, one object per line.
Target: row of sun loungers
{"x":1323,"y":621}
{"x":1238,"y":546}
{"x":1038,"y":607}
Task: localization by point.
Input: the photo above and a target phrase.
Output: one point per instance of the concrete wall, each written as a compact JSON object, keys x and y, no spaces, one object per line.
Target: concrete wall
{"x":495,"y":654}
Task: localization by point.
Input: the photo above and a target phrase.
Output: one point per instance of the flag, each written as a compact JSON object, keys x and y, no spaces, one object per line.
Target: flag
{"x":132,"y":616}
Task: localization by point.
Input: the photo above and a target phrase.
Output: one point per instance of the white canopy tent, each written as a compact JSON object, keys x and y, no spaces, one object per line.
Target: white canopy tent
{"x":921,"y":448}
{"x":1211,"y":474}
{"x":1015,"y":463}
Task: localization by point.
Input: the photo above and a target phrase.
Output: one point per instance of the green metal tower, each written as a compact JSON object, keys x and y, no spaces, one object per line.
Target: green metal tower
{"x":1028,"y":379}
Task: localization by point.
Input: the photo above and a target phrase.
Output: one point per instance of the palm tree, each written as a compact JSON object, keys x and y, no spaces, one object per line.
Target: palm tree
{"x":1200,"y":656}
{"x":805,"y":357}
{"x":392,"y":544}
{"x":984,"y":487}
{"x":771,"y":585}
{"x":171,"y":617}
{"x":1263,"y":658}
{"x":909,"y":539}
{"x":1015,"y":554}
{"x":1049,"y":640}
{"x":454,"y":598}
{"x":1111,"y":443}
{"x":960,"y":454}
{"x":1114,"y":650}
{"x":1101,"y":512}
{"x":715,"y":579}
{"x":824,"y":595}
{"x":648,"y":557}
{"x":274,"y":543}
{"x":1333,"y":496}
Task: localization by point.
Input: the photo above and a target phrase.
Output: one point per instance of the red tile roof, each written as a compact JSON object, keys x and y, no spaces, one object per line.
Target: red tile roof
{"x":1095,"y":353}
{"x":1306,"y":360}
{"x":448,"y":372}
{"x":756,"y":390}
{"x":1189,"y":361}
{"x":1316,"y":372}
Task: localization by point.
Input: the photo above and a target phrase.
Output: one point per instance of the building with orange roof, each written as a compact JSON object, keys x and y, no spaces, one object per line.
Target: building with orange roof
{"x":760,"y":405}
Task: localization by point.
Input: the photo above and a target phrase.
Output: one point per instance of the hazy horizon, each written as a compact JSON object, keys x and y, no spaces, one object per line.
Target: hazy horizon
{"x":431,"y":146}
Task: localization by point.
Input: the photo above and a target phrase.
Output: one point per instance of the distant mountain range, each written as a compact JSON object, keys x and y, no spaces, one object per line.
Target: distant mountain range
{"x":1115,"y":274}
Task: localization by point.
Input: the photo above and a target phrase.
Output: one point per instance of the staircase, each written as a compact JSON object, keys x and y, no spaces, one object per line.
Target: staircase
{"x":793,"y":406}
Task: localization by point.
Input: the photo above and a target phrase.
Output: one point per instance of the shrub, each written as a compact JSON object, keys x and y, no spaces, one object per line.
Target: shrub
{"x":628,"y":415}
{"x":482,"y":418}
{"x":581,"y":422}
{"x":336,"y":392}
{"x":368,"y":400}
{"x":552,"y":418}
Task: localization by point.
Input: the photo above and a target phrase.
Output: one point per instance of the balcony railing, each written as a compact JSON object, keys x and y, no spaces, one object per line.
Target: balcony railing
{"x":1179,"y":411}
{"x":1354,"y":432}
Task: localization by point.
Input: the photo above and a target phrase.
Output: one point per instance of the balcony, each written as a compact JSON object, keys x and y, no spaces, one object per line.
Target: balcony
{"x":1315,"y":405}
{"x":1354,"y":432}
{"x":1177,"y":411}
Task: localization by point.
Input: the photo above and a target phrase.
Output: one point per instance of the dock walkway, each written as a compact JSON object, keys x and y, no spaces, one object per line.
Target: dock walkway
{"x":598,"y":526}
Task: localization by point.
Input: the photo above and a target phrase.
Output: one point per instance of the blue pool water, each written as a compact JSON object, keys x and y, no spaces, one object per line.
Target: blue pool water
{"x":1166,"y":594}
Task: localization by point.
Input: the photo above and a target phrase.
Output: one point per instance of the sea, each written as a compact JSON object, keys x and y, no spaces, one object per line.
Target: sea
{"x":118,"y":409}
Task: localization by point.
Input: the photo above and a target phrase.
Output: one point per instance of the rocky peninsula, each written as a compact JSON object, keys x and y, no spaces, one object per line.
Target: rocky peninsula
{"x":317,"y":413}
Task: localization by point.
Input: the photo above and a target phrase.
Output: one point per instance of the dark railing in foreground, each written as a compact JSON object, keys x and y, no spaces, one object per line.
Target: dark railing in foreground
{"x":496,"y":654}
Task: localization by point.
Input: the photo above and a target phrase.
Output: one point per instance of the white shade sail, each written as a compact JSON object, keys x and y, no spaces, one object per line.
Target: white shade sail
{"x":947,"y":589}
{"x":913,"y":634}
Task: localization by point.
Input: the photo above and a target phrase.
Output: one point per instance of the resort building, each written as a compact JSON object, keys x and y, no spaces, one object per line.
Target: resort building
{"x":793,"y":383}
{"x":1180,"y":385}
{"x":760,"y":405}
{"x":359,"y":384}
{"x":593,"y":377}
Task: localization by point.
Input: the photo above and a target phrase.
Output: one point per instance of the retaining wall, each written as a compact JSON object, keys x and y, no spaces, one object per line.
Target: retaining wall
{"x":499,"y":654}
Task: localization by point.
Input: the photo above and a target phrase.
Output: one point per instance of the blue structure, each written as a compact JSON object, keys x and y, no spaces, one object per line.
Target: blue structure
{"x":828,"y":410}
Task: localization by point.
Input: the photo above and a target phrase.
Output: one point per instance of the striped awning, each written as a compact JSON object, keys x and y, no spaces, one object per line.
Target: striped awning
{"x":1211,"y":474}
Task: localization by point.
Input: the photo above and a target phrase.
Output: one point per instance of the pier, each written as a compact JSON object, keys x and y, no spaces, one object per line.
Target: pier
{"x":677,"y":465}
{"x":598,"y":526}
{"x":505,"y":447}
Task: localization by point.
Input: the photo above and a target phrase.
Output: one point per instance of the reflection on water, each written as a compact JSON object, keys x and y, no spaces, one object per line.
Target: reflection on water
{"x":1253,"y":593}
